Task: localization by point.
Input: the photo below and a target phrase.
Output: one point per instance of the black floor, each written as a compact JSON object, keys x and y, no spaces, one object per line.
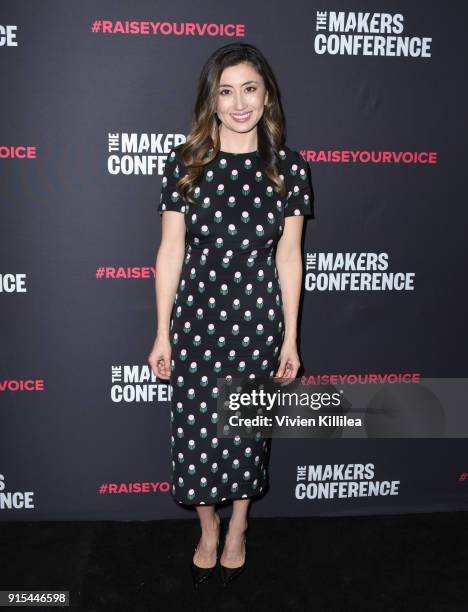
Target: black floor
{"x":408,"y":562}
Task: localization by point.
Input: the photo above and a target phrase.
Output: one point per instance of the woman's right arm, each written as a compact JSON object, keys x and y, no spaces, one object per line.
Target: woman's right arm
{"x":169,"y":260}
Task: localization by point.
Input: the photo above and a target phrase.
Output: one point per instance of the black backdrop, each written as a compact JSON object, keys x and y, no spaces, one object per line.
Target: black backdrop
{"x":84,"y":431}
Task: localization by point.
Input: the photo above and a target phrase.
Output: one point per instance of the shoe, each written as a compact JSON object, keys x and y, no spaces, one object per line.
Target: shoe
{"x":229,"y":573}
{"x":200,"y":574}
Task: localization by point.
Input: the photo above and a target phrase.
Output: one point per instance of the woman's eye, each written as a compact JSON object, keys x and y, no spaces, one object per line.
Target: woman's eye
{"x":252,"y":88}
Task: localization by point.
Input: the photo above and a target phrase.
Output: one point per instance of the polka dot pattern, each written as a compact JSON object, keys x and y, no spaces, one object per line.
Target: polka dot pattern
{"x":227,"y":320}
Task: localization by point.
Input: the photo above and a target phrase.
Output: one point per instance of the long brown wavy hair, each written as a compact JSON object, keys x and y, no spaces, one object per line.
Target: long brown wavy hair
{"x":204,"y":132}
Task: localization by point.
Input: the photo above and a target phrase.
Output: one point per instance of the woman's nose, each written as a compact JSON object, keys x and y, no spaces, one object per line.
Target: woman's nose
{"x":239,"y":103}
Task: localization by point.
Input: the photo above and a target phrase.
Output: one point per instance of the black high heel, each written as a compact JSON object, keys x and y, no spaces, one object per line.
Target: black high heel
{"x":229,"y":573}
{"x":200,"y":574}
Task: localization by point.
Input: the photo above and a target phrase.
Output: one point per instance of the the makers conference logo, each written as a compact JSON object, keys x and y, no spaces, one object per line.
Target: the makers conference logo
{"x":15,"y":500}
{"x":379,"y":34}
{"x":354,"y":272}
{"x":135,"y":154}
{"x":137,"y":384}
{"x":341,"y":481}
{"x":13,"y":282}
{"x":8,"y":36}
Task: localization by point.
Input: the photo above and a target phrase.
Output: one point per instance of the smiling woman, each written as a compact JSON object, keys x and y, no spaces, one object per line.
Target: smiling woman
{"x":241,"y":102}
{"x":228,"y":300}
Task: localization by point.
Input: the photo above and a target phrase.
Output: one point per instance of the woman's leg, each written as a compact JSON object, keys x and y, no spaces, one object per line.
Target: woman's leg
{"x":234,"y":552}
{"x":205,"y":556}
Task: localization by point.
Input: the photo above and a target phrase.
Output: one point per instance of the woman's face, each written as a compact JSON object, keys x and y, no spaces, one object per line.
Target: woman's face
{"x":241,"y":98}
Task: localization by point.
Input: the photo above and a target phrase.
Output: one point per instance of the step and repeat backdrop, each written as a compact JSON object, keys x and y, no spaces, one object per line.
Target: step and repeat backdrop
{"x":94,"y":95}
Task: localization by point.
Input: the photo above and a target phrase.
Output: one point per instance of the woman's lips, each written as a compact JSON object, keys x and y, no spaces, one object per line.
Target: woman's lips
{"x":241,"y":117}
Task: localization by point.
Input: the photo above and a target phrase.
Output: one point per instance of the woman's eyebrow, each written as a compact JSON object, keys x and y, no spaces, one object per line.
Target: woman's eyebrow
{"x":246,"y":83}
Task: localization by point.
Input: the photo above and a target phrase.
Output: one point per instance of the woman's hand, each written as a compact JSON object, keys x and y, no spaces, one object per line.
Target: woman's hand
{"x":160,"y":358}
{"x":289,"y":361}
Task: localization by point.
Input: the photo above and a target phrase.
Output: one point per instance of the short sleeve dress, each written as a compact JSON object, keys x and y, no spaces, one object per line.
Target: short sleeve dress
{"x":227,"y":318}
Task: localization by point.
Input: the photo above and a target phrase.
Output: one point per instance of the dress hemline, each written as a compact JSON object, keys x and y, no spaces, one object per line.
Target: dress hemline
{"x":211,"y":502}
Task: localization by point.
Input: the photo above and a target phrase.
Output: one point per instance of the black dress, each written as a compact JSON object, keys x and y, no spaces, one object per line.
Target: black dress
{"x":227,"y":319}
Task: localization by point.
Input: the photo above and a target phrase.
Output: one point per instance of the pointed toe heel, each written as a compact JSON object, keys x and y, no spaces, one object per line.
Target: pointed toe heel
{"x":228,"y":574}
{"x":201,"y":574}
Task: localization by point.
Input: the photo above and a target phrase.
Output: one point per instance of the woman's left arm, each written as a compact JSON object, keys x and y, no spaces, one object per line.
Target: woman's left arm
{"x":290,"y":271}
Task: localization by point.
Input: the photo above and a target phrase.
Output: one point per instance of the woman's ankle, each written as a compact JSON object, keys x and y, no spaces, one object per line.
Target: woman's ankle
{"x":238,"y":525}
{"x":211,"y":527}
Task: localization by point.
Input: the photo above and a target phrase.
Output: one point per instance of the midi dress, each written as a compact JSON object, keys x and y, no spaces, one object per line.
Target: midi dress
{"x":227,"y":317}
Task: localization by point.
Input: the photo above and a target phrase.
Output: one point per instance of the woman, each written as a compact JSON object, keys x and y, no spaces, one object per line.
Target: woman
{"x":242,"y":193}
